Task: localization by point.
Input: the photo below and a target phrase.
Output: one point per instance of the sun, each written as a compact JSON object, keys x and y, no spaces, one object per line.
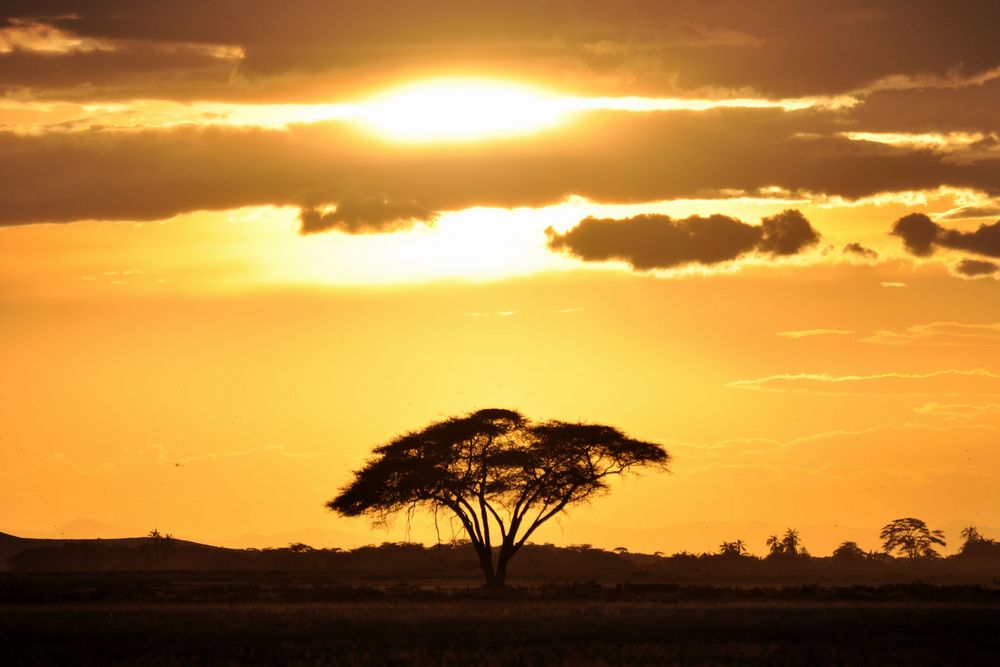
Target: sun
{"x":460,"y":110}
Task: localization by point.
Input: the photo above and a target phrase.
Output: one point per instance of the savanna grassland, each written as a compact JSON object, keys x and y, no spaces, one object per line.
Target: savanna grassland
{"x":233,"y":618}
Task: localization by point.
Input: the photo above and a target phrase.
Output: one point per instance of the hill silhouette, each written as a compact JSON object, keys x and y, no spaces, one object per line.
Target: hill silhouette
{"x":542,"y":563}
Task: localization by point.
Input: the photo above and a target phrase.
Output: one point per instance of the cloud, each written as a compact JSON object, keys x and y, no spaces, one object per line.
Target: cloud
{"x":612,"y":157}
{"x":918,"y":233}
{"x":959,"y":411}
{"x":860,"y":251}
{"x":45,"y":59}
{"x":365,"y":215}
{"x":496,"y":313}
{"x":810,"y":333}
{"x":786,"y":233}
{"x":975,"y":268}
{"x":28,"y":36}
{"x":660,"y":242}
{"x":971,"y":212}
{"x":777,"y":47}
{"x":939,"y":333}
{"x":966,"y":107}
{"x":921,"y":236}
{"x":943,"y":382}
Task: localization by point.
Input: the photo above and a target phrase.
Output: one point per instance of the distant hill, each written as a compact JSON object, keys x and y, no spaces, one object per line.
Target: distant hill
{"x":27,"y":553}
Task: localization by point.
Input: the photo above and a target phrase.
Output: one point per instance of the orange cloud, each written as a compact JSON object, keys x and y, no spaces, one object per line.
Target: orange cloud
{"x":944,"y":382}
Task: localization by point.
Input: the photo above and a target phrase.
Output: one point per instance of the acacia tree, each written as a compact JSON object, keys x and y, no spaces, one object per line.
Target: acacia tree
{"x":499,"y":474}
{"x":911,"y":537}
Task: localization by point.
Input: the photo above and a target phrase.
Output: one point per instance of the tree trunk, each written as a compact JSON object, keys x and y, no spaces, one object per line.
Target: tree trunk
{"x":503,"y":558}
{"x":486,"y":563}
{"x":500,"y":578}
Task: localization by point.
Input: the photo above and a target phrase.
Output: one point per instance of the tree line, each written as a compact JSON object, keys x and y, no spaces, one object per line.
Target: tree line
{"x":907,"y":537}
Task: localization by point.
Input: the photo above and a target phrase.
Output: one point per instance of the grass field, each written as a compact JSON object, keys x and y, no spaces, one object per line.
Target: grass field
{"x":399,"y":626}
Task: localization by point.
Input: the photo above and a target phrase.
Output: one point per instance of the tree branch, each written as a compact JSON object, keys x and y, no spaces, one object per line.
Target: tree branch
{"x":542,"y":518}
{"x":497,"y":517}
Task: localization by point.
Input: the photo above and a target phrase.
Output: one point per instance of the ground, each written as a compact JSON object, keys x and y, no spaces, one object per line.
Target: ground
{"x":95,"y":619}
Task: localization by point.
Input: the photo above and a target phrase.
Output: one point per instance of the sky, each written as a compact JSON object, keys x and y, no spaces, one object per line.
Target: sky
{"x":243,"y":243}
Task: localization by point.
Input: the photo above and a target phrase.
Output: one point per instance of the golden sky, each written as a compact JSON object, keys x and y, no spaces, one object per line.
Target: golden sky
{"x":242,"y":243}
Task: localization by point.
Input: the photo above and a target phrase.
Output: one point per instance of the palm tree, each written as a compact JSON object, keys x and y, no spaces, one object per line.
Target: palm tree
{"x":790,"y":542}
{"x":977,"y":544}
{"x":733,"y":549}
{"x":971,"y":534}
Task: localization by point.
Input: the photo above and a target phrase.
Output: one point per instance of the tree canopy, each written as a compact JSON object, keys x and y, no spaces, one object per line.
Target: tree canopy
{"x":912,"y":538}
{"x":849,"y":551}
{"x":500,"y":474}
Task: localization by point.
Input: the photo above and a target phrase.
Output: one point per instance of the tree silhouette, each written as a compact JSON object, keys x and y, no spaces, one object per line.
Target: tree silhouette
{"x":849,"y":551}
{"x":971,"y":535}
{"x":977,"y":545}
{"x":733,"y":549}
{"x":788,"y":544}
{"x":499,"y":474}
{"x":911,"y":538}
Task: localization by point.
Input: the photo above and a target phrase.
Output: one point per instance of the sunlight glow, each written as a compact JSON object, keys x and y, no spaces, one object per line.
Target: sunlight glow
{"x":429,"y":111}
{"x":461,"y":110}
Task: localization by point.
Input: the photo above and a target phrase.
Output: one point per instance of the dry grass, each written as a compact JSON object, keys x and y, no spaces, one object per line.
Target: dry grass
{"x":484,"y":631}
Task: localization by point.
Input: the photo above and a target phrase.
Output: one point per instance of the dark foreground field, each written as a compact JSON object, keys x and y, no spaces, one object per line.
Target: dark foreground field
{"x":514,"y":633}
{"x":103,"y":620}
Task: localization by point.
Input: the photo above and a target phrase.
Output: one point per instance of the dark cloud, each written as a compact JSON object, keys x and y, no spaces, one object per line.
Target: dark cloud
{"x":133,"y":70}
{"x":984,"y":241}
{"x":777,"y":47}
{"x":918,"y":233}
{"x":786,"y":233}
{"x":311,"y":50}
{"x":969,"y":108}
{"x":365,"y":216}
{"x":860,"y":251}
{"x":661,"y":242}
{"x":607,"y":157}
{"x":921,"y":236}
{"x":975,"y":268}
